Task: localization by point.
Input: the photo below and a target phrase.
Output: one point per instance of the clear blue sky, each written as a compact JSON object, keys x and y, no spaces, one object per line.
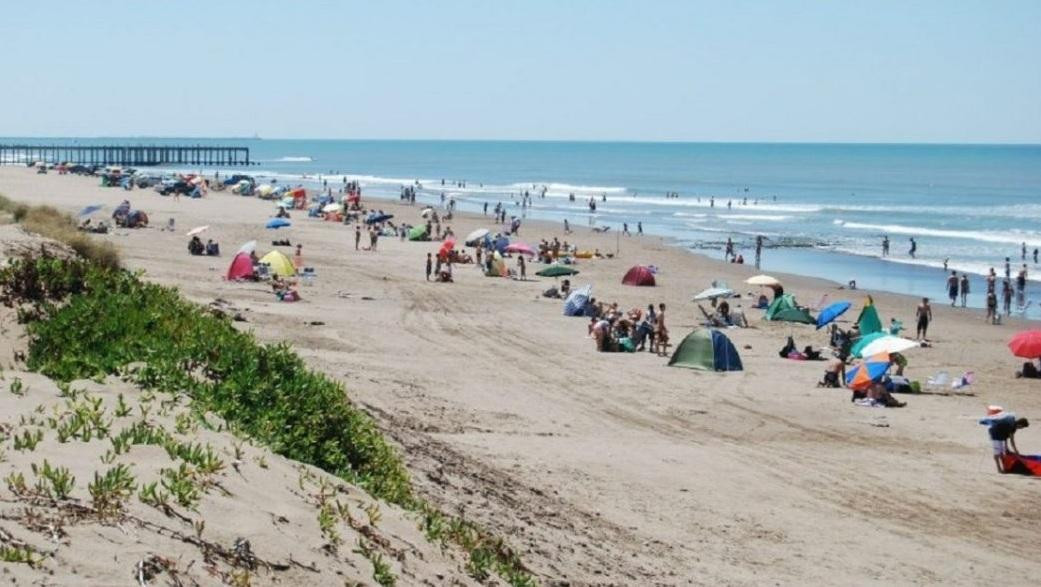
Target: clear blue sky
{"x":733,"y":70}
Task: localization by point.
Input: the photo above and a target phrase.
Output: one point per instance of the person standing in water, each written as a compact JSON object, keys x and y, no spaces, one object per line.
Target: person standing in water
{"x":964,"y":287}
{"x":952,"y":287}
{"x":885,"y":246}
{"x":924,"y":315}
{"x":639,"y":228}
{"x":758,"y":250}
{"x":914,"y":247}
{"x":1023,"y":252}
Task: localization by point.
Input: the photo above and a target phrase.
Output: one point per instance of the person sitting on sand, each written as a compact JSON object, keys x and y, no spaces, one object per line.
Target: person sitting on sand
{"x":1001,"y":428}
{"x":834,"y":374}
{"x":212,"y":248}
{"x":879,"y":395}
{"x":195,"y":246}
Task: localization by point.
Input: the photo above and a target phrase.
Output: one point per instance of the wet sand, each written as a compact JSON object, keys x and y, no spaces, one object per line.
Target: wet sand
{"x":614,"y":468}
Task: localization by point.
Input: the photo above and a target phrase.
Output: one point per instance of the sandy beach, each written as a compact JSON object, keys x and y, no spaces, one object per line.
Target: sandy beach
{"x":605,"y":468}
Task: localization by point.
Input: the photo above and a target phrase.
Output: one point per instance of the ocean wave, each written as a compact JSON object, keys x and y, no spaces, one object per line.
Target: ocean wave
{"x":293,"y":159}
{"x":753,"y":217}
{"x":1007,"y":237}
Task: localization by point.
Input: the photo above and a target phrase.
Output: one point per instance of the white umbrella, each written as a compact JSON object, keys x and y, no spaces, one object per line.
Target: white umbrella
{"x":762,"y":280}
{"x":332,"y":208}
{"x":426,"y":212}
{"x":198,"y":230}
{"x":248,"y":247}
{"x":476,"y":235}
{"x":714,"y":292}
{"x":888,"y":344}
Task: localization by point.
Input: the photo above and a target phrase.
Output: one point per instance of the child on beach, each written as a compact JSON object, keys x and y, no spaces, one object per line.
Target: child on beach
{"x":430,"y":265}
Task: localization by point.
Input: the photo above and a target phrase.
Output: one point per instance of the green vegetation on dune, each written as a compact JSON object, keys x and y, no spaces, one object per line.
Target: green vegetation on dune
{"x":54,"y":224}
{"x":85,"y":318}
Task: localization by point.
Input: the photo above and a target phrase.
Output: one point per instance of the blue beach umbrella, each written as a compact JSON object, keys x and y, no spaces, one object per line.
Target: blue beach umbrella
{"x":829,"y":314}
{"x":90,"y":210}
{"x":277,"y":223}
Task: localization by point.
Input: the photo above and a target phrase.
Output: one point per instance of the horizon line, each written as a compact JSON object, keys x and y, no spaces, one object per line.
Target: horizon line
{"x":531,"y":140}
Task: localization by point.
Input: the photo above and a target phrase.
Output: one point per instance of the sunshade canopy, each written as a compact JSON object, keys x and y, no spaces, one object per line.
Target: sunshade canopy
{"x":1026,"y":344}
{"x":762,"y":280}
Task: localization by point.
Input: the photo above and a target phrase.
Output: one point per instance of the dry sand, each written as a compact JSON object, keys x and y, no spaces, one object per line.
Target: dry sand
{"x":614,"y":468}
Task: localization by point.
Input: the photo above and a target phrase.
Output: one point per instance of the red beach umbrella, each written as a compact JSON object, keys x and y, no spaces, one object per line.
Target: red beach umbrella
{"x":1026,"y":344}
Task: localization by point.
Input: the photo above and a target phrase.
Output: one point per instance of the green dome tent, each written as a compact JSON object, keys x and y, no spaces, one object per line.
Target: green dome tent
{"x":706,"y":350}
{"x":783,"y":309}
{"x":418,"y":233}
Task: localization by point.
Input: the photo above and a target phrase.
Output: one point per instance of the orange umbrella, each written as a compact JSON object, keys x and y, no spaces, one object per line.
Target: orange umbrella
{"x":867,"y":372}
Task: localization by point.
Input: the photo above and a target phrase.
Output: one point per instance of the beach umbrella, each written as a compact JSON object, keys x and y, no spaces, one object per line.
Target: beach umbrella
{"x":556,"y":270}
{"x":763,"y":280}
{"x":377,"y":218}
{"x":1026,"y":344}
{"x":332,"y":208}
{"x":249,"y":247}
{"x":867,"y":371}
{"x":198,"y":230}
{"x":520,"y":248}
{"x":476,"y":235}
{"x":426,"y":212}
{"x":576,"y":300}
{"x":888,"y":344}
{"x":830,"y":313}
{"x":446,"y":246}
{"x":90,"y":210}
{"x":714,"y":292}
{"x":863,"y":341}
{"x":277,"y":223}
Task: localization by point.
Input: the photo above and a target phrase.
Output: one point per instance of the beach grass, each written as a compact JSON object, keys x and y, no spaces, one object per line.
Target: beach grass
{"x":49,"y":222}
{"x":85,"y":318}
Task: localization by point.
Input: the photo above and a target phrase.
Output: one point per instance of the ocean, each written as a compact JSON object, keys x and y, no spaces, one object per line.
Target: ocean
{"x":823,"y":208}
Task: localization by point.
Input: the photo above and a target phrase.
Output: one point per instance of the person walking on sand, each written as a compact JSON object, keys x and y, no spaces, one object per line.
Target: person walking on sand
{"x":625,"y":229}
{"x":522,"y":268}
{"x":298,"y":258}
{"x":992,"y":308}
{"x":430,"y":265}
{"x":952,"y":287}
{"x":914,"y":247}
{"x":964,"y":287}
{"x":357,"y":236}
{"x":567,"y":227}
{"x":728,"y":252}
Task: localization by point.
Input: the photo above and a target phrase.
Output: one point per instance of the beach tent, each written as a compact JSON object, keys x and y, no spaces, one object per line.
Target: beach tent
{"x":706,"y":349}
{"x":575,"y":304}
{"x":638,"y":275}
{"x":498,"y":266}
{"x":241,"y":267}
{"x":279,"y":263}
{"x":418,"y":233}
{"x":1021,"y":464}
{"x":868,"y":321}
{"x":784,"y":309}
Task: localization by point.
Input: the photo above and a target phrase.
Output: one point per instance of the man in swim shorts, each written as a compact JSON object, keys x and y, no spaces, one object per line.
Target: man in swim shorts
{"x":952,"y":287}
{"x":924,"y":314}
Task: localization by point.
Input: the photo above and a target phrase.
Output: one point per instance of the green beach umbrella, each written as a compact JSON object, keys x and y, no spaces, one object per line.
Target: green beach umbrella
{"x":864,"y":341}
{"x":557,"y":270}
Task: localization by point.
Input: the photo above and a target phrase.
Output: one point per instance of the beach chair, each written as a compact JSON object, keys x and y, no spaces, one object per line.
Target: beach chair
{"x":964,"y":382}
{"x":940,"y":381}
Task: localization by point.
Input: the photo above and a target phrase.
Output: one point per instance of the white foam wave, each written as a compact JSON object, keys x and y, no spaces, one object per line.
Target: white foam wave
{"x":757,"y":217}
{"x":1008,"y":237}
{"x":294,"y":159}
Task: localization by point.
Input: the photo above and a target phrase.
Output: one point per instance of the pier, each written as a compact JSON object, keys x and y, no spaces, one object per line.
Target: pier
{"x":129,"y":155}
